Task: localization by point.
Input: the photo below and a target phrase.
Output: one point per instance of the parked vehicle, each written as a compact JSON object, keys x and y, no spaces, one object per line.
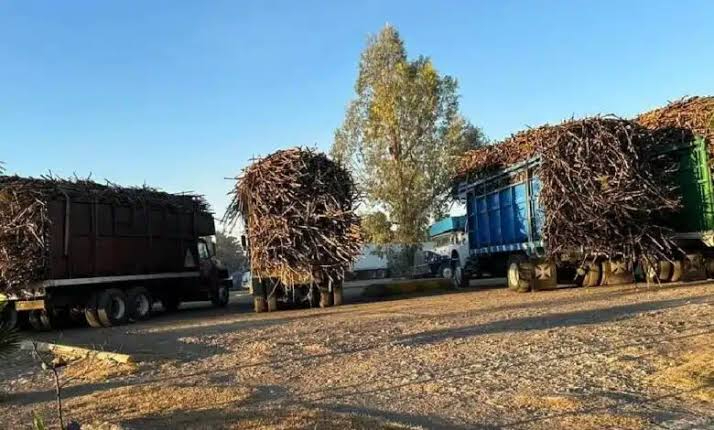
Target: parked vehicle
{"x":450,"y":241}
{"x":504,"y":223}
{"x":109,"y":261}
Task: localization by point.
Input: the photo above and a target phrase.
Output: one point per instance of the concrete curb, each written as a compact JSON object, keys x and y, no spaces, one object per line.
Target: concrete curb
{"x":407,"y":286}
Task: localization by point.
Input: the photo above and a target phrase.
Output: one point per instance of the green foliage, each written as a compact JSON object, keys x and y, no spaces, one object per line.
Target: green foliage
{"x":38,"y":423}
{"x":230,"y":252}
{"x":402,"y":135}
{"x":377,"y":229}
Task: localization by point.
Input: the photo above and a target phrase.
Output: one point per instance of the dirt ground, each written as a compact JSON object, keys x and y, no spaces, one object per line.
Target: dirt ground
{"x":609,"y":357}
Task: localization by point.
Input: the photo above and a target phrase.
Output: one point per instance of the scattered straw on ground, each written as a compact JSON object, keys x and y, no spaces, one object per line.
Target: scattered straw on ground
{"x":155,"y":399}
{"x":693,"y":374}
{"x":553,"y":403}
{"x":92,"y":369}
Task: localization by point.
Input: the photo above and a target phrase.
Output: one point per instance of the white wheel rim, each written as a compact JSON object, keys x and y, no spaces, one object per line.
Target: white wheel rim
{"x":142,"y":305}
{"x":118,"y":308}
{"x":447,"y":273}
{"x":513,"y":276}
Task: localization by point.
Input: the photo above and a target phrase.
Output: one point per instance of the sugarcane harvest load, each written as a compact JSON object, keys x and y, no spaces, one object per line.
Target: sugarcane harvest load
{"x":103,"y":251}
{"x":303,"y":235}
{"x":691,"y":115}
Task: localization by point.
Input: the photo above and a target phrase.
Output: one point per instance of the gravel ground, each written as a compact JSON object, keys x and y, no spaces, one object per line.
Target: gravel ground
{"x":608,"y":357}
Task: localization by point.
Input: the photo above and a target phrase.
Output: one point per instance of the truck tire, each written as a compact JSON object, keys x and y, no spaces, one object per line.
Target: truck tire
{"x":272,"y":303}
{"x":90,"y":312}
{"x":139,"y":303}
{"x":589,"y":275}
{"x":40,"y":320}
{"x":519,"y":273}
{"x":259,"y":304}
{"x":677,"y":270}
{"x":337,"y":295}
{"x":220,"y":297}
{"x":112,"y":308}
{"x":8,"y":317}
{"x":325,"y":299}
{"x":445,"y":271}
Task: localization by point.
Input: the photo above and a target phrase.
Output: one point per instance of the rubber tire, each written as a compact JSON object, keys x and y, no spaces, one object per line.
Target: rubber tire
{"x":445,"y":271}
{"x":325,"y":299}
{"x":259,"y":304}
{"x":105,"y":301}
{"x":592,"y":277}
{"x":136,"y":314}
{"x":9,"y":317}
{"x":337,"y":295}
{"x":663,"y":272}
{"x":221,"y":296}
{"x":40,"y":320}
{"x":519,"y":274}
{"x":461,"y":279}
{"x":90,"y":312}
{"x":272,"y":303}
{"x":171,"y":304}
{"x":677,"y":271}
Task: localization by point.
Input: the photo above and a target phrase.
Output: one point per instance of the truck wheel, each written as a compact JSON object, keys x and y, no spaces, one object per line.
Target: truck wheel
{"x":90,"y":312}
{"x":272,"y":302}
{"x":325,"y":299}
{"x":259,"y":304}
{"x":220,"y":297}
{"x":461,"y":278}
{"x":139,"y":303}
{"x":445,"y":271}
{"x":112,"y":308}
{"x":676,"y":274}
{"x":8,"y":317}
{"x":337,"y":295}
{"x":519,"y":274}
{"x":40,"y":320}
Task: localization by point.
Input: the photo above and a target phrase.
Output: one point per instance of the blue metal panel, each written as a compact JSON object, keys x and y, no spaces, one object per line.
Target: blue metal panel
{"x":483,"y":232}
{"x":536,"y":210}
{"x":505,"y":197}
{"x":446,"y":225}
{"x":521,"y":221}
{"x":494,"y":219}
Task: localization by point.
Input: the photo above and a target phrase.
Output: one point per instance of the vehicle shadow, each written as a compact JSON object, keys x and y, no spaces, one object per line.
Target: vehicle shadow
{"x":548,"y":321}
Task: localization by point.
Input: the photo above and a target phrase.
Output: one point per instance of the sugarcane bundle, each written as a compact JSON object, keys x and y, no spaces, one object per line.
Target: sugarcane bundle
{"x":25,"y":220}
{"x":518,"y":147}
{"x":601,"y":193}
{"x":681,"y":119}
{"x":298,"y":209}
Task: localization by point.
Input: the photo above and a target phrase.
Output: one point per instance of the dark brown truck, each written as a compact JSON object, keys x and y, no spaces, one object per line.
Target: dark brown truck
{"x":108,"y":261}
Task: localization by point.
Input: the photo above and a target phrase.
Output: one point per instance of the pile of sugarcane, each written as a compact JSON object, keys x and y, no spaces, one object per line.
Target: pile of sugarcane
{"x":25,"y":221}
{"x":599,"y":190}
{"x":682,"y":119}
{"x":298,"y":208}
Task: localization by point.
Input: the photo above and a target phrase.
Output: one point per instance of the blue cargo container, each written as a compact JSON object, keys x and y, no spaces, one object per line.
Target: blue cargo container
{"x":505,"y":222}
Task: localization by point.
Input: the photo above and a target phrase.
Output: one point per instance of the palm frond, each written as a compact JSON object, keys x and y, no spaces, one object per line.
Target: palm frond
{"x":9,"y":341}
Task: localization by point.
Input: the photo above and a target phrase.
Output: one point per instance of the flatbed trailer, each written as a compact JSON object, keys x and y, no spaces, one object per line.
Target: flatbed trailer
{"x":504,"y":227}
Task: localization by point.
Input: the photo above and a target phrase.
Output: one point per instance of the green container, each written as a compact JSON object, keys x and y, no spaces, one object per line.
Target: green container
{"x":694,"y":179}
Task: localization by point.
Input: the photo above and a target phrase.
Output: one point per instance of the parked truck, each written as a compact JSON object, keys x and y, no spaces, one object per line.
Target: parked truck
{"x":504,"y":227}
{"x":109,"y":260}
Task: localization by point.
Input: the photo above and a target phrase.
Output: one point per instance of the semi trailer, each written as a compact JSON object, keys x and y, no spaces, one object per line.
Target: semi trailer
{"x":107,"y":259}
{"x":505,"y":220}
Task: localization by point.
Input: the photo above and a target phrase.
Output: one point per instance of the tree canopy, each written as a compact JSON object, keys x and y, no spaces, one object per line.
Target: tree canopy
{"x":402,"y":135}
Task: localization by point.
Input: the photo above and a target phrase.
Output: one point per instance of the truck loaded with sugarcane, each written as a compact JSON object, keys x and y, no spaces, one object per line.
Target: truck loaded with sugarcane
{"x":598,"y":201}
{"x":301,"y":232}
{"x":104,"y":254}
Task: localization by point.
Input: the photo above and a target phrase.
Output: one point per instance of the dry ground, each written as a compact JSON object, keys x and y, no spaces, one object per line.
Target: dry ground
{"x":612,"y":357}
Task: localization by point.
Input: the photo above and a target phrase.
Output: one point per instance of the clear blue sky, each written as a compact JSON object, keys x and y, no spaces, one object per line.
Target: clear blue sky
{"x":181,"y":94}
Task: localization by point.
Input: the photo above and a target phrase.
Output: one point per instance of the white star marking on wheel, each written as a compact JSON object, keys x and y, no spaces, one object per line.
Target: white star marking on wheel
{"x":618,"y":267}
{"x":543,"y":271}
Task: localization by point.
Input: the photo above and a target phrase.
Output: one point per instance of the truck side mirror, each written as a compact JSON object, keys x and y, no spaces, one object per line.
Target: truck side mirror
{"x":243,"y":241}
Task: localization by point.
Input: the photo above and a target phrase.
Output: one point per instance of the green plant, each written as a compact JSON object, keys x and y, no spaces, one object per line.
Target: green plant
{"x":38,"y":423}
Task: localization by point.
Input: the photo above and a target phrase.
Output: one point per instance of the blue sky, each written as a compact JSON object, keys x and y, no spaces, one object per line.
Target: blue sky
{"x":181,"y":94}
